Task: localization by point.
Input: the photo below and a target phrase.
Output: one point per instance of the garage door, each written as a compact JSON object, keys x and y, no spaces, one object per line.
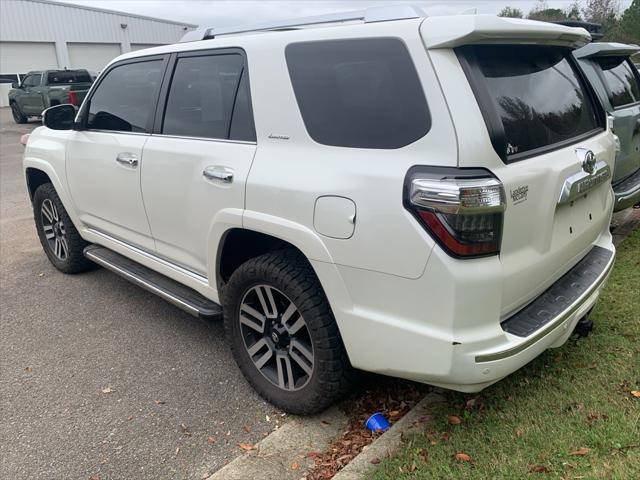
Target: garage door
{"x":20,"y":57}
{"x":92,"y":56}
{"x":141,"y":46}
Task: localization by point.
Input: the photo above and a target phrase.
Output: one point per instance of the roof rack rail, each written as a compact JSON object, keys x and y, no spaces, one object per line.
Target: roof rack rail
{"x":368,"y":15}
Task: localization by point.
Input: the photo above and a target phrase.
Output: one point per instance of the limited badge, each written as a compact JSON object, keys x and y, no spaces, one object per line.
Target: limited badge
{"x":519,"y":194}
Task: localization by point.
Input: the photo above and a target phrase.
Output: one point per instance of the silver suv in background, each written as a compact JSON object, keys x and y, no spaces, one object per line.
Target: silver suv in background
{"x":617,"y":83}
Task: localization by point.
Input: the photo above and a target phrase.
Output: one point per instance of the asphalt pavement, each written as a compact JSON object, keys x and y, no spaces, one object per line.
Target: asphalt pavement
{"x":100,"y":379}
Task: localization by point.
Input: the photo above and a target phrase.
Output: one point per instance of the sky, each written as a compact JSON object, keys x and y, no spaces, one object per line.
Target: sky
{"x":224,"y":13}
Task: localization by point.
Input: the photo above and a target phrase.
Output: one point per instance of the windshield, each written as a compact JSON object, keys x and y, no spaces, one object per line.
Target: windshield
{"x":66,"y":77}
{"x":537,"y":94}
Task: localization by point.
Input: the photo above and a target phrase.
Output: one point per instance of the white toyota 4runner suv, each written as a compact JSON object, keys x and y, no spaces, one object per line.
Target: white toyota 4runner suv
{"x":427,"y":198}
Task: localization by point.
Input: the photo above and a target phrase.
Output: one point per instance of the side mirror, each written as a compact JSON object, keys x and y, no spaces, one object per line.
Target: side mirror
{"x":59,"y":117}
{"x":15,"y":85}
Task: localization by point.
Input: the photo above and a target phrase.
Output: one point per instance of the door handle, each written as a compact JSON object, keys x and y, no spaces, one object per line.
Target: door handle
{"x":127,"y":158}
{"x":217,"y":172}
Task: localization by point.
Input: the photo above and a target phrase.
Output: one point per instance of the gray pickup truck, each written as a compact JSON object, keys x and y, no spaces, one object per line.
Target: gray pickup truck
{"x":40,"y":90}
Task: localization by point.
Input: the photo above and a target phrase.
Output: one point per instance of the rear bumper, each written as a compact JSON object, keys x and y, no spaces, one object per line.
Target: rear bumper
{"x":444,"y":329}
{"x":627,"y":192}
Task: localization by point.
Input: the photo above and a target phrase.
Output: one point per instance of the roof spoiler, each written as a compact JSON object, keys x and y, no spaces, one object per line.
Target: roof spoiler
{"x":595,"y":29}
{"x":476,"y":29}
{"x":606,"y":49}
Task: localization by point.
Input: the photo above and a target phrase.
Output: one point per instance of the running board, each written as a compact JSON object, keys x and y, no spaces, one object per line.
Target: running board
{"x":176,"y":293}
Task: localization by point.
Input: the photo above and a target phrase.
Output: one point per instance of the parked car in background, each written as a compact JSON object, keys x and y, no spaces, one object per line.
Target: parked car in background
{"x":427,"y":198}
{"x":40,"y":90}
{"x":617,"y":83}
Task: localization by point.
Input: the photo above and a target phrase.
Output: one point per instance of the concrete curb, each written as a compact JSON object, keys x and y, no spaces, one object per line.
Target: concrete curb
{"x":390,"y":441}
{"x":283,"y":455}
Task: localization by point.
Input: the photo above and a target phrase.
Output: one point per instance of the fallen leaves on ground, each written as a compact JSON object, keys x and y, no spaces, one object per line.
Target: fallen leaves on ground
{"x":211,"y":440}
{"x":108,"y":390}
{"x":463,"y":457}
{"x":454,"y":420}
{"x":246,"y":446}
{"x":635,"y":393}
{"x":581,"y":451}
{"x":94,"y":477}
{"x":29,"y":369}
{"x":159,"y":402}
{"x":295,"y":466}
{"x":393,"y":399}
{"x":538,"y":469}
{"x":185,"y":429}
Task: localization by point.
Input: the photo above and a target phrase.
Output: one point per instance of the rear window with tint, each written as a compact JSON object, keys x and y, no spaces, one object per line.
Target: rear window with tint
{"x":536,"y":92}
{"x":68,"y":76}
{"x":621,"y":81}
{"x":361,"y":93}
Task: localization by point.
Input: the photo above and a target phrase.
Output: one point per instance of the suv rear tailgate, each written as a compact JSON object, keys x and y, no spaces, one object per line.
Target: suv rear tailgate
{"x":530,"y":120}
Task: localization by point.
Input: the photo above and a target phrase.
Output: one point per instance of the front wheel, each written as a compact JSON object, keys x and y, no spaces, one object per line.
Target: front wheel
{"x":18,"y":116}
{"x":59,"y":238}
{"x":283,"y":334}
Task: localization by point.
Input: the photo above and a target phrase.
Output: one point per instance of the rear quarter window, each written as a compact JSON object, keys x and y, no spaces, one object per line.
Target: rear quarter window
{"x":66,"y":77}
{"x":533,"y":98}
{"x":621,"y":81}
{"x":359,"y":93}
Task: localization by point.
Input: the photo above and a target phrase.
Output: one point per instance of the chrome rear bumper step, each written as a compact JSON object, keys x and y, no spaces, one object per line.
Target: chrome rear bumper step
{"x":179,"y":295}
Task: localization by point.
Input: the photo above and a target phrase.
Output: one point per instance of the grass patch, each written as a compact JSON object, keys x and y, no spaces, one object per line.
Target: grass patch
{"x":568,"y":414}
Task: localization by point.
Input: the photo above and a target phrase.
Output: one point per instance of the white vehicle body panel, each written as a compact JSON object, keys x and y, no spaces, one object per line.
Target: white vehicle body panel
{"x":106,"y":193}
{"x":182,"y":205}
{"x":404,"y":307}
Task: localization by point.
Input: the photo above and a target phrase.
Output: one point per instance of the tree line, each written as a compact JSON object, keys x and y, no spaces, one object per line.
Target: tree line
{"x":617,"y":25}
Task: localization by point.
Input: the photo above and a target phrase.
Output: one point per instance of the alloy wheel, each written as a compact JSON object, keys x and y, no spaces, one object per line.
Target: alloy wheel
{"x":276,"y":337}
{"x":54,"y":230}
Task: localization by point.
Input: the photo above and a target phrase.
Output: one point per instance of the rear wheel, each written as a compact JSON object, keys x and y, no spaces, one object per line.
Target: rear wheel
{"x":18,"y":116}
{"x":59,"y":238}
{"x":283,"y":334}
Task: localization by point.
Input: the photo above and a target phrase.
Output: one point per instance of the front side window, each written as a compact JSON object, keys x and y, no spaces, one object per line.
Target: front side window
{"x":126,"y":98}
{"x":539,"y":98}
{"x":620,"y":79}
{"x":203,"y":93}
{"x":360,"y":93}
{"x":32,"y":80}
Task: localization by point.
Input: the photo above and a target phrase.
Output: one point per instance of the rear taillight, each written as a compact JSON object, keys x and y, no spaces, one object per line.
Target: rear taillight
{"x":462,"y":209}
{"x":73,"y":98}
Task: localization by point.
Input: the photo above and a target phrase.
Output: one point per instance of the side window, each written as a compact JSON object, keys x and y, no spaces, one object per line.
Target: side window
{"x":361,"y":93}
{"x":242,"y":127}
{"x":125,"y":99}
{"x":202,"y":97}
{"x":32,"y":80}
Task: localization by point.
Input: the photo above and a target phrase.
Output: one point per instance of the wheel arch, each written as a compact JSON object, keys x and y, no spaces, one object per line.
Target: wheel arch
{"x":36,"y":177}
{"x":237,"y":245}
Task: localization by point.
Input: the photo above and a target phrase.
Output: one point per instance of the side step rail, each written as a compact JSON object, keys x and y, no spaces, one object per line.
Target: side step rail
{"x":179,"y":295}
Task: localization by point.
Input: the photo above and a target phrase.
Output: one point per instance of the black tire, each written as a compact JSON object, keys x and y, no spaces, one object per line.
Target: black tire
{"x":290,"y":274}
{"x":18,"y":116}
{"x":73,"y":261}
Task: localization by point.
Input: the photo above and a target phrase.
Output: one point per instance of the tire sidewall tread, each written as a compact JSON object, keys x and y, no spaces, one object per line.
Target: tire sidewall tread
{"x":291,"y":273}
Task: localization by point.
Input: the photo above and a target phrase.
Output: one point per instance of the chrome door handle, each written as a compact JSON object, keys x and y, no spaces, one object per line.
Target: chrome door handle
{"x":217,"y":172}
{"x":126,"y":158}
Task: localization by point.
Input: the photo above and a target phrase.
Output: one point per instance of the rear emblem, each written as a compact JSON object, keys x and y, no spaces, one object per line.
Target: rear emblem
{"x":589,"y":162}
